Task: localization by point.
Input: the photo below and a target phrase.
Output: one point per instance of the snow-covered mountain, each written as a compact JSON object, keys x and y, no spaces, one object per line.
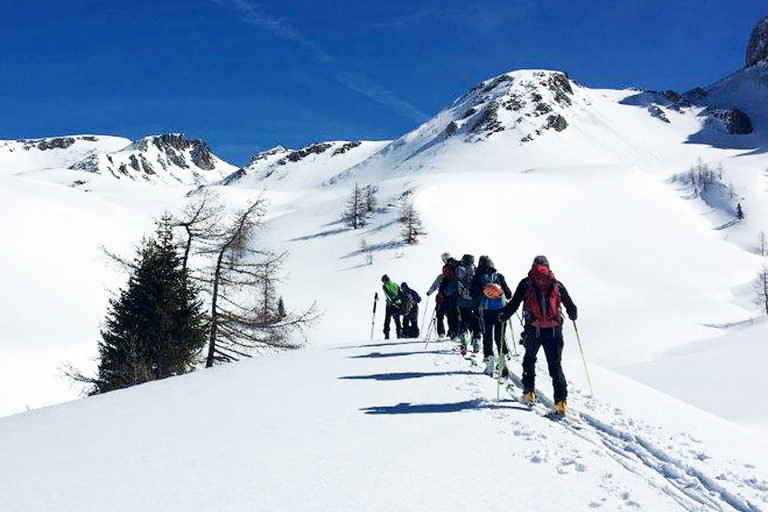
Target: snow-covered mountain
{"x":24,"y":155}
{"x":171,"y":158}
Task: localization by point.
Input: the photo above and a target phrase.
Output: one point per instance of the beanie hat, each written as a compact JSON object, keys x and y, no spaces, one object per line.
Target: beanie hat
{"x":541,"y":260}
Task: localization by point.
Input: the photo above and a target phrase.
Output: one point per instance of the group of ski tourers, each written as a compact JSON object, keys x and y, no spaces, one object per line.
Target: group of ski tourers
{"x":477,"y":303}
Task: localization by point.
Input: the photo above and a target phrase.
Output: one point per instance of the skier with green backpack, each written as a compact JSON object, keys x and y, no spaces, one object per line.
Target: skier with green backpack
{"x":395,"y":305}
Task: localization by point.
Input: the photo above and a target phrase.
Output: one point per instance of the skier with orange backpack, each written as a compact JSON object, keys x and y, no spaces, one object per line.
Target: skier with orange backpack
{"x":491,"y":289}
{"x":542,"y":296}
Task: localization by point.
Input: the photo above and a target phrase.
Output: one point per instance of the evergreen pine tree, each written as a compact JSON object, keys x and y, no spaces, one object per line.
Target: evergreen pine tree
{"x":155,"y":328}
{"x":412,"y":226}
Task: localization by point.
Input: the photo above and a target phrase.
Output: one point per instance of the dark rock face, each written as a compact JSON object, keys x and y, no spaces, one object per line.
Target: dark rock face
{"x":656,"y":112}
{"x":734,"y":120}
{"x":757,"y":48}
{"x":201,"y":155}
{"x":266,"y":154}
{"x":498,"y":81}
{"x":346,"y":147}
{"x":451,"y":129}
{"x":488,"y":121}
{"x":314,"y":149}
{"x":46,"y":144}
{"x":557,"y":122}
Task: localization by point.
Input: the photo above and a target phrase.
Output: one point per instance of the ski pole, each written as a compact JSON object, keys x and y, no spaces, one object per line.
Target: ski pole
{"x":428,"y":333}
{"x":424,"y":316}
{"x":373,"y":318}
{"x":583,"y":359}
{"x":512,"y":333}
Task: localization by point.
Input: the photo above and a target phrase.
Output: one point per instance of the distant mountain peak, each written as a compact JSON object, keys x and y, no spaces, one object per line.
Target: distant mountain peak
{"x":757,"y":47}
{"x":170,"y":158}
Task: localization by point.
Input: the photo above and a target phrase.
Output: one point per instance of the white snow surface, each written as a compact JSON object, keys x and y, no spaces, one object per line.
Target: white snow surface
{"x":374,"y":426}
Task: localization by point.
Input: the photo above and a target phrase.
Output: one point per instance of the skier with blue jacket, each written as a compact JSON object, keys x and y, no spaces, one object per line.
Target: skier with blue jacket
{"x":491,"y":287}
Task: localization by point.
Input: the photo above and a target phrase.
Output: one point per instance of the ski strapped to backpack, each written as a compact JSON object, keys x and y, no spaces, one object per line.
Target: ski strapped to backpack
{"x":542,"y":299}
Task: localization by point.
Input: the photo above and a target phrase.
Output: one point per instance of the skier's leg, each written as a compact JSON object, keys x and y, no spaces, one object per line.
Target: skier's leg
{"x":487,"y":333}
{"x":532,"y":344}
{"x":440,"y":317}
{"x":553,"y":349}
{"x":387,"y":319}
{"x":452,"y":313}
{"x":398,"y":325}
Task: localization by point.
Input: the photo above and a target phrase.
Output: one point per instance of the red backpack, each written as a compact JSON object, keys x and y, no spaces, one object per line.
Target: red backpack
{"x":542,"y":299}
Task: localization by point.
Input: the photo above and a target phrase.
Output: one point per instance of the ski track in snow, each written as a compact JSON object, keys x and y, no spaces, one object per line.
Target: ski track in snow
{"x":669,"y":470}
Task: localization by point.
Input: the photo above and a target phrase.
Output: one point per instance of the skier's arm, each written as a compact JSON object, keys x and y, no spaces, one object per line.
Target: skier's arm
{"x":517,"y":299}
{"x":435,"y":284}
{"x":503,"y":283}
{"x":570,"y":307}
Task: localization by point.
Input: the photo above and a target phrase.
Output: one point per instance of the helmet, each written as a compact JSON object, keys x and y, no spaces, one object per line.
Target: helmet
{"x":445,"y":257}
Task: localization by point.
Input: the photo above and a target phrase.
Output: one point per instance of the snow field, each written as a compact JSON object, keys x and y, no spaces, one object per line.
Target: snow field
{"x":373,"y":426}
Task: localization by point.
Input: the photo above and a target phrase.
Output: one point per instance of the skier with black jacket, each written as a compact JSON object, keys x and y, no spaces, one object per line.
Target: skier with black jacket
{"x":491,"y":289}
{"x":410,"y":319}
{"x":449,"y":289}
{"x":469,"y":323}
{"x":542,"y":295}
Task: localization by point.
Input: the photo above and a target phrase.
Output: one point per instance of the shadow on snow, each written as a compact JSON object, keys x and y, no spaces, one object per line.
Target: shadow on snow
{"x":467,"y":405}
{"x":406,"y":375}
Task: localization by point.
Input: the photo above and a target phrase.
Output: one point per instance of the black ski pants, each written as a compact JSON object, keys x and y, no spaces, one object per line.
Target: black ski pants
{"x":440,"y":317}
{"x":493,"y":330}
{"x":410,"y":323}
{"x":552,"y":341}
{"x":452,"y":314}
{"x":469,"y":322}
{"x":392,"y":313}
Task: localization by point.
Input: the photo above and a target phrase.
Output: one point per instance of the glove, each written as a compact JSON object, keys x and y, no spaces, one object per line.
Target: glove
{"x":504,"y":316}
{"x":572,"y":317}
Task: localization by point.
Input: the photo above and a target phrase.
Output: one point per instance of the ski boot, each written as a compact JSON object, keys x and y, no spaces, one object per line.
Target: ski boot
{"x":529,"y":397}
{"x":489,"y":366}
{"x":503,"y":367}
{"x":560,"y":407}
{"x":463,"y":344}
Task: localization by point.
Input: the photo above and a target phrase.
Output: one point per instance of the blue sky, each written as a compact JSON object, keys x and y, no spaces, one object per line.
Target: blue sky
{"x":248,"y":75}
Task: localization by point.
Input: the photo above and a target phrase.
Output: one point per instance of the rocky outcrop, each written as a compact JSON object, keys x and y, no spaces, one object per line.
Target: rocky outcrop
{"x":733,"y":121}
{"x":346,"y":147}
{"x":295,"y":156}
{"x":488,"y":122}
{"x":55,"y":143}
{"x":657,"y":112}
{"x":757,"y":47}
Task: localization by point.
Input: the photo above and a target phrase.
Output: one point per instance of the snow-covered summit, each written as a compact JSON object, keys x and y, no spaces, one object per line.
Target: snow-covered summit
{"x":22,"y":155}
{"x":170,"y":158}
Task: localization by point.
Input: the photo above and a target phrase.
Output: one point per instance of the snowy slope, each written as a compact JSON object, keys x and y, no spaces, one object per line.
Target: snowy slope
{"x":381,"y":426}
{"x":18,"y":156}
{"x":309,"y":166}
{"x":724,"y":375}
